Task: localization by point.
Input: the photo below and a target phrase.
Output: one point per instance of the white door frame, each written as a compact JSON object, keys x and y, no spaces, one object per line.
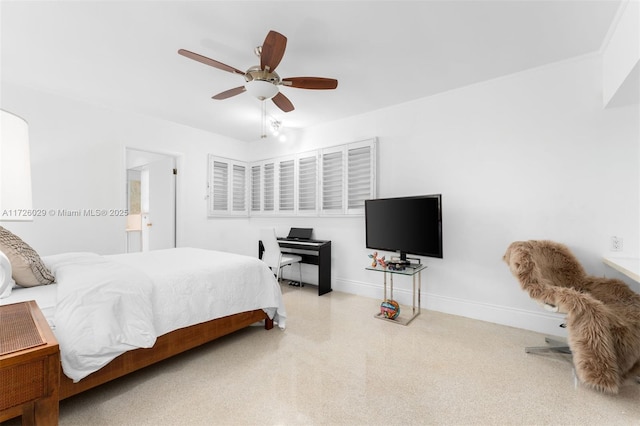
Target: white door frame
{"x":139,"y":159}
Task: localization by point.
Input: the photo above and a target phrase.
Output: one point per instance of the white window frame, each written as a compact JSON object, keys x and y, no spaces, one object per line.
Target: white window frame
{"x":347,"y":178}
{"x":272,"y":167}
{"x":294,"y":184}
{"x":267,"y":170}
{"x":303,"y":160}
{"x":213,"y":206}
{"x":255,"y":188}
{"x":332,"y":181}
{"x":286,"y":182}
{"x":365,"y":170}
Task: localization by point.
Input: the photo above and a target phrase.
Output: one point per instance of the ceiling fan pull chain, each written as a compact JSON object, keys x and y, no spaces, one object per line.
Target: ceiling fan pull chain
{"x":264,"y":120}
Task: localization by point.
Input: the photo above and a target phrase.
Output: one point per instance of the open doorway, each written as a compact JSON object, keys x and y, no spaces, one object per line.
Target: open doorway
{"x":151,"y":200}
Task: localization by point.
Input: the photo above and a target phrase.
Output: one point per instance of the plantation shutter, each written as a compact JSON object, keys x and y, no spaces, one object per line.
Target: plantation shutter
{"x":239,"y":188}
{"x":286,"y":187}
{"x":359,"y":182}
{"x":255,"y":188}
{"x":220,"y":186}
{"x":332,"y":181}
{"x":227,"y":187}
{"x":269,"y":187}
{"x":307,"y":183}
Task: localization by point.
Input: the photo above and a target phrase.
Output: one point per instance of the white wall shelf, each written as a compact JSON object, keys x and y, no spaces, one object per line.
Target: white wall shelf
{"x":630,"y":266}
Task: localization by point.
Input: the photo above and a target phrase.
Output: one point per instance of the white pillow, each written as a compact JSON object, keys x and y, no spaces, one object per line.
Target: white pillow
{"x":6,"y":282}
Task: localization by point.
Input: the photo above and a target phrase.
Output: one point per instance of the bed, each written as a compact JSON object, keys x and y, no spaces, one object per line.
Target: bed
{"x":116,"y":314}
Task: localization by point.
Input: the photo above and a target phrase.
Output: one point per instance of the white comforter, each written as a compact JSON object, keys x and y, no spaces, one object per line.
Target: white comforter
{"x":103,"y":310}
{"x":108,"y":305}
{"x":194,"y":285}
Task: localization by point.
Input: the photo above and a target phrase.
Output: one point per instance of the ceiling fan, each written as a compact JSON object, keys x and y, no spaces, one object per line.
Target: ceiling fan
{"x":261,"y":80}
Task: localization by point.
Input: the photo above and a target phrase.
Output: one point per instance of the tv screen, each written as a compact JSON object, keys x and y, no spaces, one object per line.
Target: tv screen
{"x":408,"y":225}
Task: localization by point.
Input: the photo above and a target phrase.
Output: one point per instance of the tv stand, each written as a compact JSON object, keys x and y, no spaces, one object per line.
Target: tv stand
{"x":412,"y":270}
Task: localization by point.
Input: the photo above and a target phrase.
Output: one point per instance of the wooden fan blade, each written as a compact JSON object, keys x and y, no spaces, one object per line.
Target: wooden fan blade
{"x":209,"y":61}
{"x":318,"y":83}
{"x":272,"y":50}
{"x":283,"y":102}
{"x":229,"y":93}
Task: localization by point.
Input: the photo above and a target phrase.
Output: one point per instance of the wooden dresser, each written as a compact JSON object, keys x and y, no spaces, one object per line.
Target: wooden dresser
{"x":29,"y":366}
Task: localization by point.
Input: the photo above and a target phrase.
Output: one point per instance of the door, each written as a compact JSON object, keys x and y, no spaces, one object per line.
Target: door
{"x":157,"y":200}
{"x":159,"y":218}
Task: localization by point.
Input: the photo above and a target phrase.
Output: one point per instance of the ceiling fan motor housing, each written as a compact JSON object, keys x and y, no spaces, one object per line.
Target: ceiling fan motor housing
{"x":261,"y":84}
{"x":255,"y":73}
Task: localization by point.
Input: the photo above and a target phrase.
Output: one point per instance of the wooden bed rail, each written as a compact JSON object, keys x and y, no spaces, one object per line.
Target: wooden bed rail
{"x":166,"y":346}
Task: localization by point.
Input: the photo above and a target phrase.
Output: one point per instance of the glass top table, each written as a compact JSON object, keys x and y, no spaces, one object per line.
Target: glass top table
{"x":414,"y":270}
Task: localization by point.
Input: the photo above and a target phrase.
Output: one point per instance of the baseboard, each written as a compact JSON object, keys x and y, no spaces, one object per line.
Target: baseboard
{"x":539,"y":321}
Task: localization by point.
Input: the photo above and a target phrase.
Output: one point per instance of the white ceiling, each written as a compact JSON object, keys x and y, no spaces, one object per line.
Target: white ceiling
{"x":123,"y":54}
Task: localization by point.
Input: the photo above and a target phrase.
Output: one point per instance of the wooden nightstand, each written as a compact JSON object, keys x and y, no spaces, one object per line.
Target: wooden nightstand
{"x":29,"y":366}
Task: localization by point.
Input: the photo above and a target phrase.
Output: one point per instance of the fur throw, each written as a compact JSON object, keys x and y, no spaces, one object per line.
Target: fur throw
{"x":603,"y":315}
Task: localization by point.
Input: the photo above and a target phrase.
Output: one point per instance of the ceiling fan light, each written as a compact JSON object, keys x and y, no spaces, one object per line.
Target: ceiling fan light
{"x":261,"y":89}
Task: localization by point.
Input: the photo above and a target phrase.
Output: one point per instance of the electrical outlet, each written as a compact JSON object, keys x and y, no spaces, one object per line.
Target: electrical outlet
{"x":616,"y":243}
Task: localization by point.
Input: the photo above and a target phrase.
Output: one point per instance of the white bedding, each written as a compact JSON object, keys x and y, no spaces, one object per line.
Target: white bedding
{"x":194,"y":285}
{"x":44,"y":295}
{"x":103,"y":309}
{"x":103,"y":306}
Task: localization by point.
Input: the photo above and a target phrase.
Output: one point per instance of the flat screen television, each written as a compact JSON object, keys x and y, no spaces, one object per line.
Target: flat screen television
{"x":407,"y":225}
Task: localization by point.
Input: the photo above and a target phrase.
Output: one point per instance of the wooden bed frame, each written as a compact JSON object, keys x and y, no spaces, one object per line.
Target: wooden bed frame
{"x":166,"y":346}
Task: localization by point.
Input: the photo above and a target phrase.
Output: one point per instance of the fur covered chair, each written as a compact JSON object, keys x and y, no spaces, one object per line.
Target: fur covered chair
{"x":602,"y":315}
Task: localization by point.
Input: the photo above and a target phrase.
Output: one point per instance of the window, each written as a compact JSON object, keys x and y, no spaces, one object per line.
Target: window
{"x":307,"y":183}
{"x":286,"y":179}
{"x":220,"y":186}
{"x":227,"y":188}
{"x":330,"y":181}
{"x":269,"y":187}
{"x":286,"y":185}
{"x":359,"y":176}
{"x":263,"y":187}
{"x":348,"y":177}
{"x":239,"y":188}
{"x":256,"y":189}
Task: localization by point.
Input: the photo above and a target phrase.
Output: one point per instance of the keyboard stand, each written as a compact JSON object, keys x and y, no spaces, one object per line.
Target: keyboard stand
{"x":313,"y":252}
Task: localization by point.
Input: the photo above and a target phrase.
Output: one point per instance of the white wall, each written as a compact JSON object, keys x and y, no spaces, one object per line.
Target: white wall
{"x":529,"y":156}
{"x":78,"y":162}
{"x":621,"y":57}
{"x":533,"y":155}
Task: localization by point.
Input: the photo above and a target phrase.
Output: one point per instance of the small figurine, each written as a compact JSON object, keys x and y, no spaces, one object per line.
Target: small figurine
{"x":378,"y":260}
{"x":374,"y":256}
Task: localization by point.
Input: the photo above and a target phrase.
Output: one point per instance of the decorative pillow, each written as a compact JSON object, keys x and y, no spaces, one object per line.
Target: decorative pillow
{"x":28,"y":268}
{"x":6,"y":282}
